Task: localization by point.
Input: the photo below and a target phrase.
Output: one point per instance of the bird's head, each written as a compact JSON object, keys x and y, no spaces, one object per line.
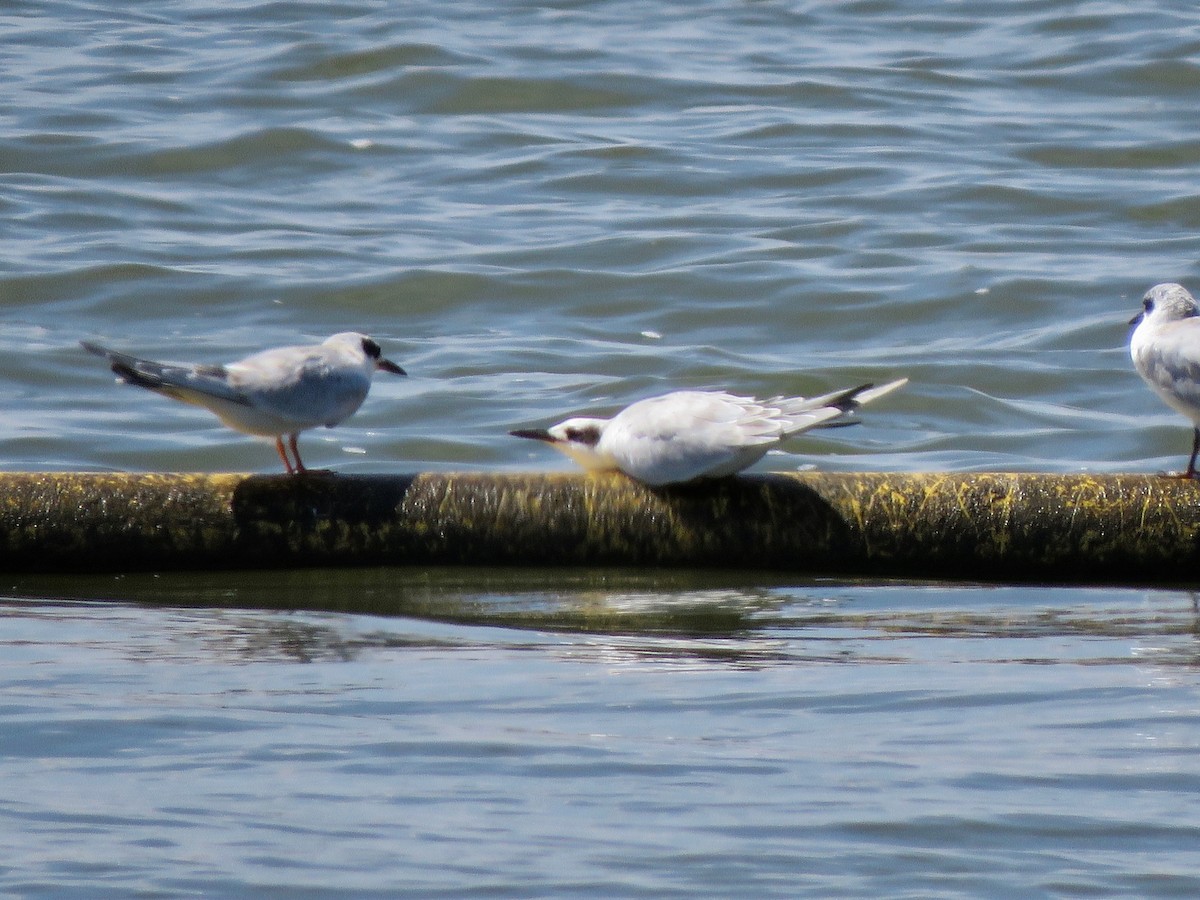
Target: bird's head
{"x":366,"y":350}
{"x":579,"y":438}
{"x":1166,"y":303}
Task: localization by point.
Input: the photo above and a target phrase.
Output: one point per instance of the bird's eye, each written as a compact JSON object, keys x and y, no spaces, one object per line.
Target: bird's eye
{"x":372,"y":349}
{"x":587,"y":436}
{"x":1148,"y":304}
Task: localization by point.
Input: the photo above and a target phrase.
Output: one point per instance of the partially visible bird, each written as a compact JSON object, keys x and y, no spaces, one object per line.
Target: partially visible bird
{"x":274,"y":393}
{"x":687,"y":435}
{"x":1165,"y":346}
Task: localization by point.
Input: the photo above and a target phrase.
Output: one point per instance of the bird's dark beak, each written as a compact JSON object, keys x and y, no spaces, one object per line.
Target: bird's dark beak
{"x":388,"y":366}
{"x":534,"y":434}
{"x":1136,"y":320}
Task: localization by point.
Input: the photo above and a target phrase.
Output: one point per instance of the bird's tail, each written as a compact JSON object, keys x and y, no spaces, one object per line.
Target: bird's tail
{"x":868,"y":393}
{"x":833,"y":410}
{"x":132,"y":370}
{"x":191,"y":384}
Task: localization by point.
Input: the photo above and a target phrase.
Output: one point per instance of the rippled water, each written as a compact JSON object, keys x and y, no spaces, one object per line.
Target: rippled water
{"x":658,"y":739}
{"x":539,"y":209}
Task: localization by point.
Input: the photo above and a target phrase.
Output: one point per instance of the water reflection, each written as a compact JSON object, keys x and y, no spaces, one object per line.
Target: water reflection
{"x":630,"y":618}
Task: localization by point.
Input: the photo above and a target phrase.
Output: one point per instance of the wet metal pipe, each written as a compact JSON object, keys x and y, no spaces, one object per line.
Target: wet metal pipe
{"x":979,"y":526}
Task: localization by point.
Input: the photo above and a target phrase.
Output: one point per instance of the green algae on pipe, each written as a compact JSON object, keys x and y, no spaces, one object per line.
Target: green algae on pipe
{"x":985,"y":526}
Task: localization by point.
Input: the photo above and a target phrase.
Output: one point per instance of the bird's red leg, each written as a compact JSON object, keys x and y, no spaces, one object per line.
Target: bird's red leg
{"x":1190,"y":472}
{"x":296,"y":453}
{"x":287,"y":463}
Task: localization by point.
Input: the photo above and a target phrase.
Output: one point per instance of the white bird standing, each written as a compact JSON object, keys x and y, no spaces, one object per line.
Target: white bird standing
{"x":1165,"y":347}
{"x":686,"y":435}
{"x":273,"y":393}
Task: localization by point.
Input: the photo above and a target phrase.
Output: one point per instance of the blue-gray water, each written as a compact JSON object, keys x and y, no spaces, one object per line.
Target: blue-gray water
{"x":537,"y":210}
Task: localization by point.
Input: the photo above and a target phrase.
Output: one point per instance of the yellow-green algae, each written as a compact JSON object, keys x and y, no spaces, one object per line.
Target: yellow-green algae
{"x":986,"y":526}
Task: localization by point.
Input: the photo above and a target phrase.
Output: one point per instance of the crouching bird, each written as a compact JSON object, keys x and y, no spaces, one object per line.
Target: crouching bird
{"x":688,"y":435}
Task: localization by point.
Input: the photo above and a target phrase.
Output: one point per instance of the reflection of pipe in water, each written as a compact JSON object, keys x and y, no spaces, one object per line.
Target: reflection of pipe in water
{"x":723,"y":611}
{"x":979,"y":526}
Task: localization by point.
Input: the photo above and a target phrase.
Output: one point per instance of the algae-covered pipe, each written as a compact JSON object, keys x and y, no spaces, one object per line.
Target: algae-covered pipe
{"x":1005,"y":527}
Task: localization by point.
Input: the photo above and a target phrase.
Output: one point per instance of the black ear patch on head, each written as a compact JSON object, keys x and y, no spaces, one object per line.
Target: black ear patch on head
{"x":589,"y":436}
{"x":372,"y":349}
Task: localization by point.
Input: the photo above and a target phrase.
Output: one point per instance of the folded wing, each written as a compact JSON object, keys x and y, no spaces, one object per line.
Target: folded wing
{"x":199,"y":385}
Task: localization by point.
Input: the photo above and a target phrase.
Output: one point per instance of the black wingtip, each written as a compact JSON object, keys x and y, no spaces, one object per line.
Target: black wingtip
{"x":848,"y":400}
{"x":130,"y":375}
